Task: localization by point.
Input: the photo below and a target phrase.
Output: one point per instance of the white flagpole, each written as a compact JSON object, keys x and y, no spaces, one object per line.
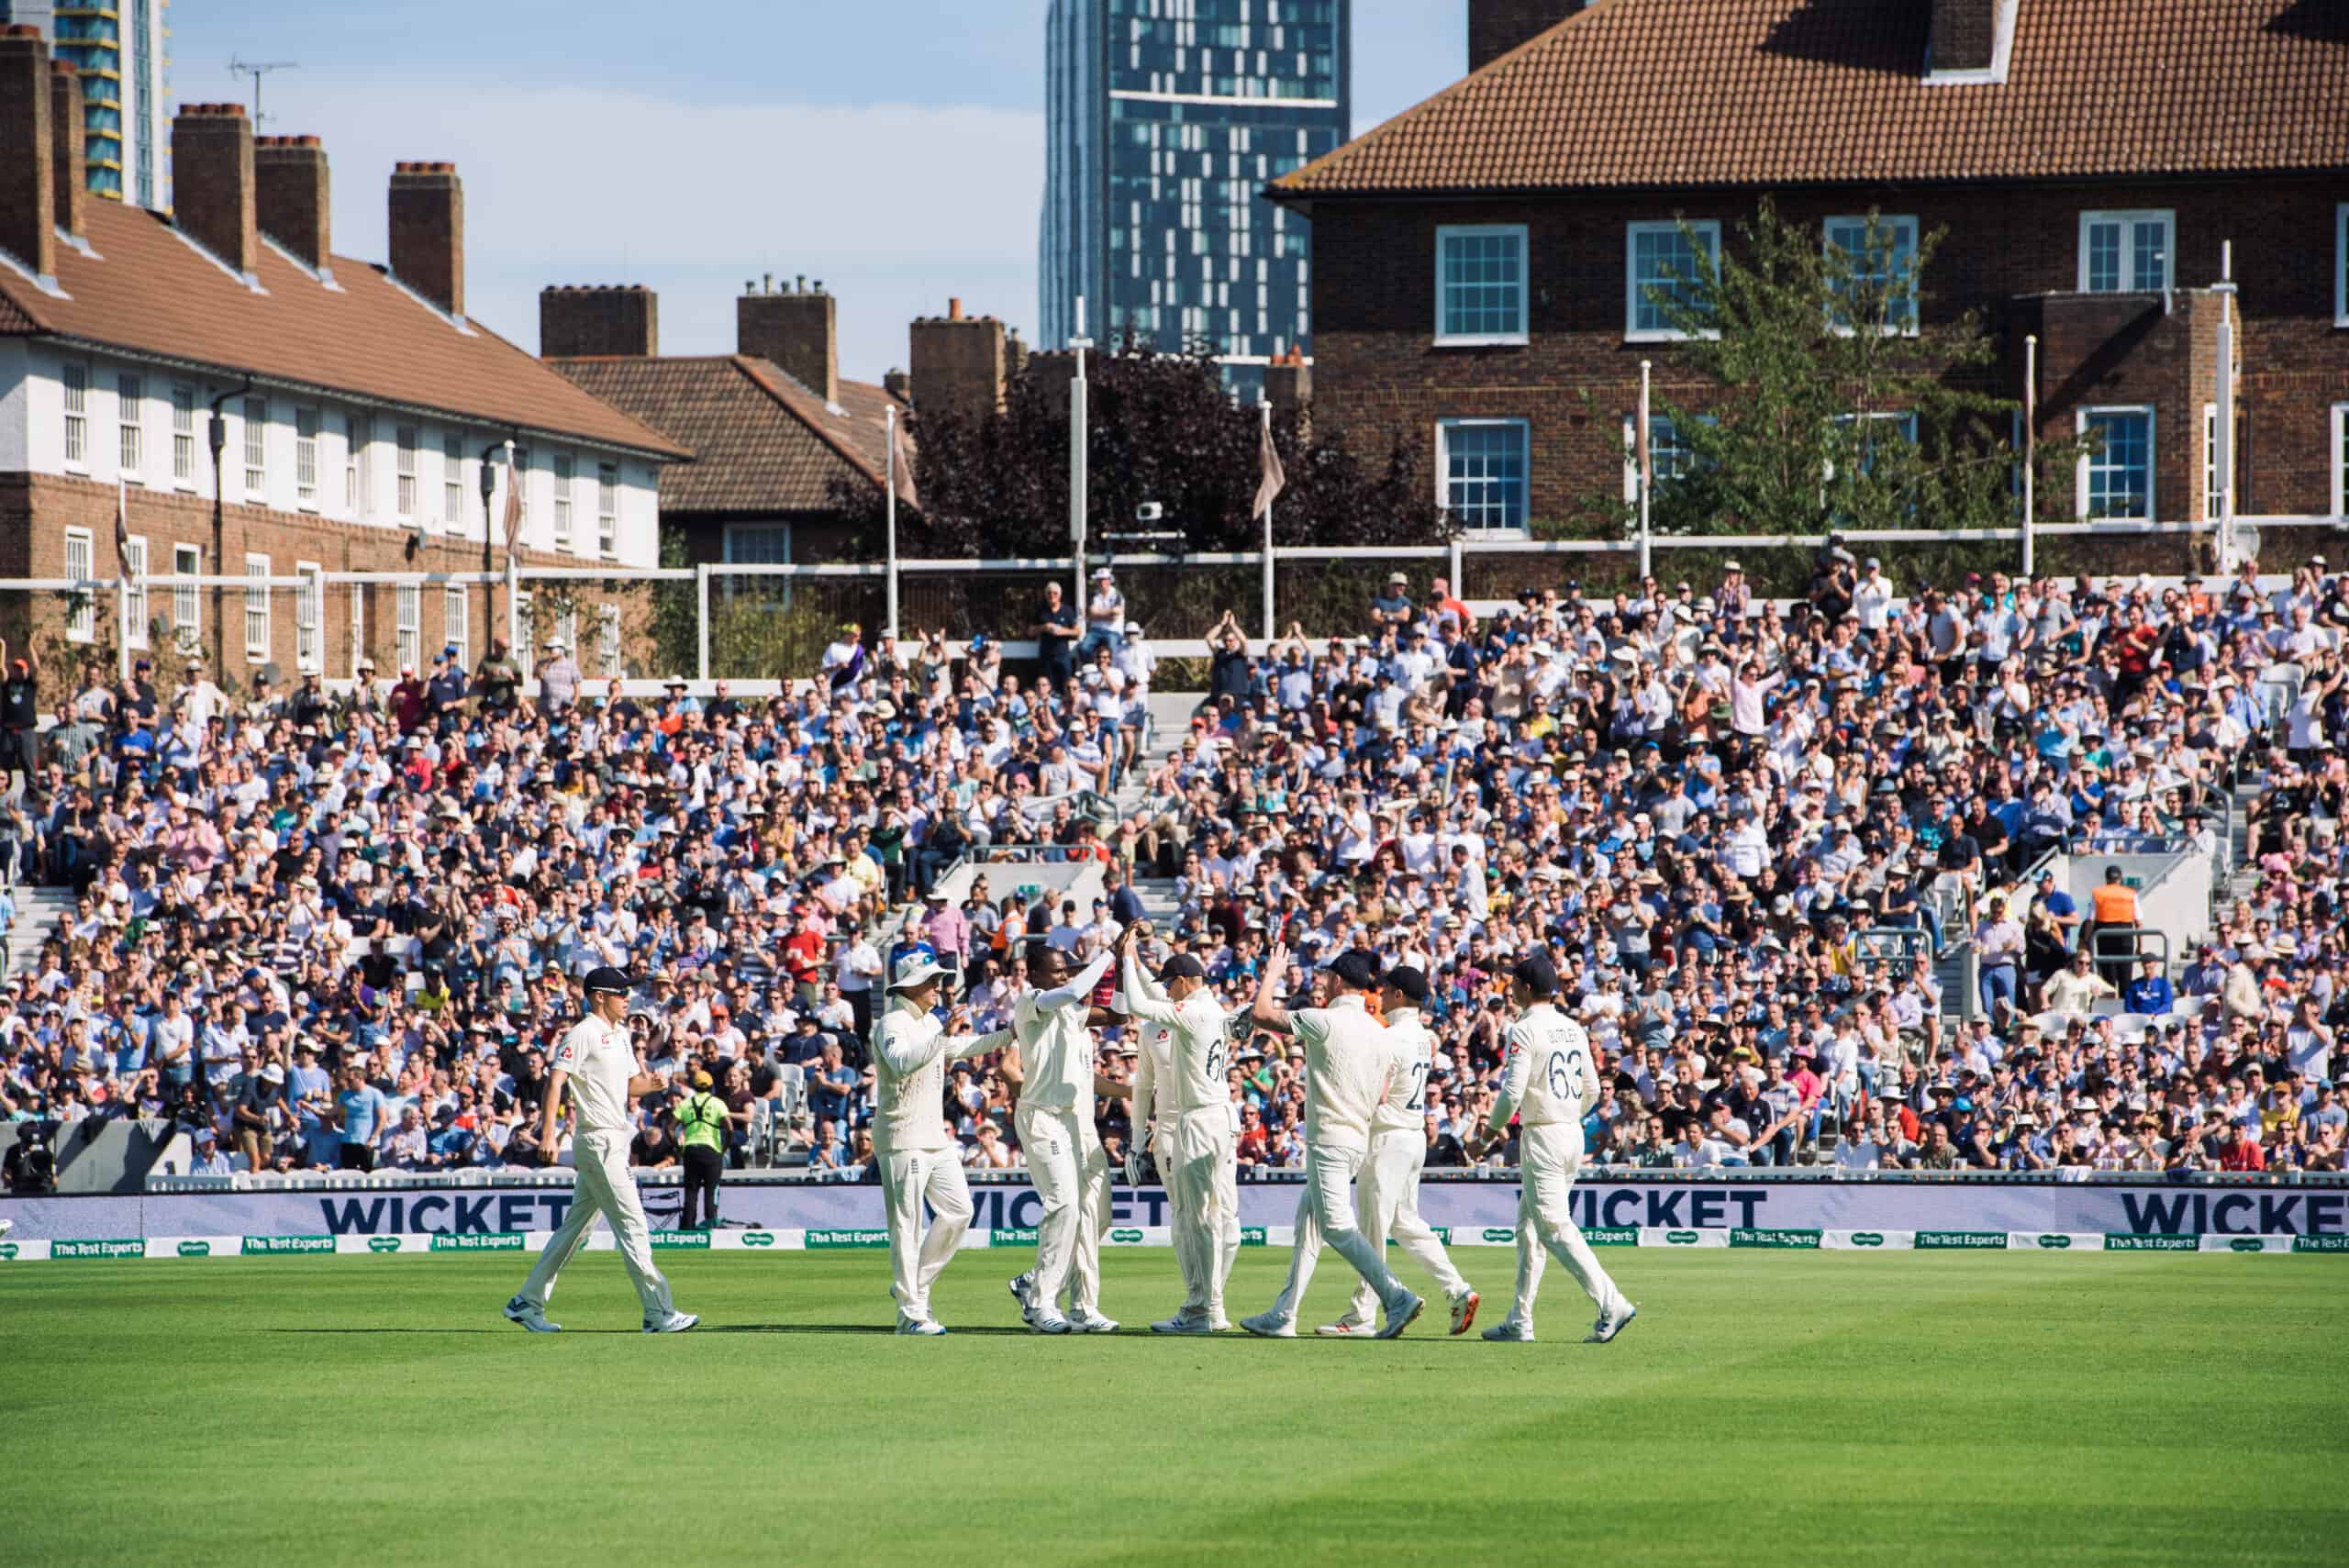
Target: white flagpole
{"x":1076,"y":452}
{"x":1272,"y":617}
{"x":2223,"y":455}
{"x":514,"y":647}
{"x":2030,"y":455}
{"x":893,"y":523}
{"x":1641,"y":439}
{"x":122,"y":577}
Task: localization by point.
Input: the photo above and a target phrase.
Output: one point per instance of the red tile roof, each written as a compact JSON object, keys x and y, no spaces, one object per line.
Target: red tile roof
{"x":149,"y":289}
{"x":1660,"y":93}
{"x":762,"y":441}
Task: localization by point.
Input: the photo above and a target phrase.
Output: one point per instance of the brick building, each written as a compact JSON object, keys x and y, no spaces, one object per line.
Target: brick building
{"x":1481,"y":260}
{"x":355,"y":403}
{"x":773,"y":428}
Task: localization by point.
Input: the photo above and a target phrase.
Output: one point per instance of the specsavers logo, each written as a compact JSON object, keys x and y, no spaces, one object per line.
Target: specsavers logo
{"x":2054,"y":1243}
{"x":1680,"y":1237}
{"x":382,"y":1243}
{"x":1126,"y":1236}
{"x":757,"y":1239}
{"x":1866,"y":1238}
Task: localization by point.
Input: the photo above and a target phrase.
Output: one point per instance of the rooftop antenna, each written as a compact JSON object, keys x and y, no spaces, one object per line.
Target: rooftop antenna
{"x":256,"y":69}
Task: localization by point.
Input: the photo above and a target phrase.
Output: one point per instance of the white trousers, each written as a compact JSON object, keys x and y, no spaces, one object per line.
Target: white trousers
{"x":602,"y":1187}
{"x":1386,"y":1203}
{"x":1072,"y":1179}
{"x":909,"y":1179}
{"x":1163,"y":1158}
{"x":1549,"y":1159}
{"x":1326,"y":1213}
{"x":1203,"y":1183}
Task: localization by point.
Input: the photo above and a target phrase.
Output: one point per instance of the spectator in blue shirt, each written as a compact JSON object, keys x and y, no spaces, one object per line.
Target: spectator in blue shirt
{"x":359,"y":1111}
{"x":2150,"y":992}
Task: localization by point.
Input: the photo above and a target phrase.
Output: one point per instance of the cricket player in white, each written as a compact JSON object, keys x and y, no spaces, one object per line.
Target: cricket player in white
{"x":1202,"y":1170}
{"x":597,"y":1061}
{"x":1387,"y":1192}
{"x":1346,"y":1059}
{"x":1050,"y":1066}
{"x":919,"y":1159}
{"x":1547,"y":1080}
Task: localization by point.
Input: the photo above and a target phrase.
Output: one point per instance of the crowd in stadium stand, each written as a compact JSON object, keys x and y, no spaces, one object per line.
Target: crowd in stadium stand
{"x":340,"y":929}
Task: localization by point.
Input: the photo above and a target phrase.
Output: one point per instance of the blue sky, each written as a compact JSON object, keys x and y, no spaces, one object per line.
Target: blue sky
{"x":892,"y":148}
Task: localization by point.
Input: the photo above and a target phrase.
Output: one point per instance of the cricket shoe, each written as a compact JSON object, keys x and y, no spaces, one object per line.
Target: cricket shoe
{"x":1510,"y":1329}
{"x":1044,"y":1320}
{"x":1399,"y":1321}
{"x":1087,"y":1322}
{"x":907,"y":1324}
{"x":1611,"y":1322}
{"x":1181,"y":1324}
{"x":6,"y":1226}
{"x":675,"y":1323}
{"x":1270,"y":1326}
{"x":531,"y":1316}
{"x":1023,"y":1291}
{"x":1343,"y":1330}
{"x":1464,"y":1311}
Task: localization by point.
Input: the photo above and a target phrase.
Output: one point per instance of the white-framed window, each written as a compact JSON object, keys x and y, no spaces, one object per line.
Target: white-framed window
{"x":309,"y":614}
{"x":1480,"y":283}
{"x":403,"y":480}
{"x":134,"y":571}
{"x":1879,"y":427}
{"x":129,"y":408}
{"x":256,"y":447}
{"x":1664,"y":261}
{"x":2117,"y":479}
{"x":2339,"y":458}
{"x":187,"y":599}
{"x":1878,"y":269}
{"x":455,"y":629}
{"x":564,"y":472}
{"x":407,"y":625}
{"x":607,"y":509}
{"x":1669,"y":455}
{"x":357,"y":466}
{"x":1481,"y":473}
{"x":2125,"y":252}
{"x":74,"y":377}
{"x":565,"y":630}
{"x":81,"y":565}
{"x":306,"y":456}
{"x":257,"y":609}
{"x":2340,"y":272}
{"x":184,"y":434}
{"x":758,"y":544}
{"x":358,"y":625}
{"x":607,"y":639}
{"x":453,"y":480}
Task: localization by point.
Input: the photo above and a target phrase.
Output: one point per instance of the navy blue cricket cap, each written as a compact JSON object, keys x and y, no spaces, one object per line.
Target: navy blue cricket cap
{"x":1182,"y":966}
{"x":1409,"y":980}
{"x":1537,"y":975}
{"x":618,"y":982}
{"x":1355,"y":970}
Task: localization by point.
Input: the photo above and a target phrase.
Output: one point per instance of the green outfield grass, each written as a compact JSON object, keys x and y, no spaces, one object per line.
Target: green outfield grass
{"x":1766,"y":1408}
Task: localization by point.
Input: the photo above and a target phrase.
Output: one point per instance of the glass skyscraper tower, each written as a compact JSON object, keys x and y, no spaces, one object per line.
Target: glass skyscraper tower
{"x":1163,"y":120}
{"x":116,"y":48}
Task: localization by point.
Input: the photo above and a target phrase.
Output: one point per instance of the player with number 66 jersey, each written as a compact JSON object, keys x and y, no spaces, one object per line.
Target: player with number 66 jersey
{"x":1547,"y":1080}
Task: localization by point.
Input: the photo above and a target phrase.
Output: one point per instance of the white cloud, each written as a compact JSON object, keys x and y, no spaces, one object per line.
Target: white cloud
{"x":895,"y":207}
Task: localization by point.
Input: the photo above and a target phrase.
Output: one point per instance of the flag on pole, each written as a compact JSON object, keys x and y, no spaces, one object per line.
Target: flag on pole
{"x":901,"y":465}
{"x":1276,"y":478}
{"x":1647,"y":462}
{"x":513,"y":503}
{"x":122,"y":535}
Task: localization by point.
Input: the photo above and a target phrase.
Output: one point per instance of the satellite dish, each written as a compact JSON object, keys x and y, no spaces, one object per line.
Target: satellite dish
{"x":2244,"y":540}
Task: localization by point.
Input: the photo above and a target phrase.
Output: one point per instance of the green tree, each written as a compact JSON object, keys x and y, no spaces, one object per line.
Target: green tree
{"x":1826,"y":396}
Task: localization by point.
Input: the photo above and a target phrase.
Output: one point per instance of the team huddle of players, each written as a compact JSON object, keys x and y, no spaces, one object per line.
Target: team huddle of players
{"x":1367,"y":1059}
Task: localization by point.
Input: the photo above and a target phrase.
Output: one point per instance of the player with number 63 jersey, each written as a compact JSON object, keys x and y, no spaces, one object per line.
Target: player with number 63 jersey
{"x":1547,"y":1080}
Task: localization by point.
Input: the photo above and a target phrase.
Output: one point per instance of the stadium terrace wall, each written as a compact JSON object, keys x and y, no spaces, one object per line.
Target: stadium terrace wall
{"x":2310,"y":1208}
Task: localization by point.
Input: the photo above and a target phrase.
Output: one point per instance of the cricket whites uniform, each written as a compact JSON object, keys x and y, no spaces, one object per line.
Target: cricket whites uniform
{"x":1154,"y":1065}
{"x":601,"y":1060}
{"x":1054,"y":1120}
{"x":1346,"y":1062}
{"x":919,"y":1159}
{"x":1201,"y":1166}
{"x":1547,"y":1077}
{"x":1387,"y":1192}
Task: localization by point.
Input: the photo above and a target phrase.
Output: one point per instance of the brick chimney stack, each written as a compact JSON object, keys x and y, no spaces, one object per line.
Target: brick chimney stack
{"x":27,"y":192}
{"x":427,"y":212}
{"x":606,"y":320}
{"x":959,"y":362}
{"x":796,"y":325}
{"x":1965,"y":34}
{"x":294,"y":196}
{"x":67,"y":147}
{"x":1288,"y":381}
{"x":1495,"y":27}
{"x":212,"y":182}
